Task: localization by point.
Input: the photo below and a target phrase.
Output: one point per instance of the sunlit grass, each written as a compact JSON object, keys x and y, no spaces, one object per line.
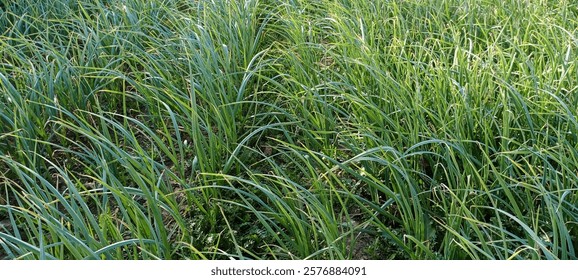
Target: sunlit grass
{"x":180,"y":129}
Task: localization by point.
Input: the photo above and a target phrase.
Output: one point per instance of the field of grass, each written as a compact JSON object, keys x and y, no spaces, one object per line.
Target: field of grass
{"x":293,"y":129}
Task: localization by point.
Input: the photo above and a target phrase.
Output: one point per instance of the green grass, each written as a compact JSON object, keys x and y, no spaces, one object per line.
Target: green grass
{"x":325,"y":129}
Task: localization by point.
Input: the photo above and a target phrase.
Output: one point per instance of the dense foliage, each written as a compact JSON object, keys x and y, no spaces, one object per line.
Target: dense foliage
{"x":294,"y":129}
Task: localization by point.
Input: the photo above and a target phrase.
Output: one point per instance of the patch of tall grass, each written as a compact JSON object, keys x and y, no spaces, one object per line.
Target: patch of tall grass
{"x":177,"y":129}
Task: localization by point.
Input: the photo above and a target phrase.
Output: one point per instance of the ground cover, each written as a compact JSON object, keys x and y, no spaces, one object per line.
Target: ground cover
{"x":324,"y":129}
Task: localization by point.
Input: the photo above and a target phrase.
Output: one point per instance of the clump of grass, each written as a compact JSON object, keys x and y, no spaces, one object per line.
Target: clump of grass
{"x":288,"y":130}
